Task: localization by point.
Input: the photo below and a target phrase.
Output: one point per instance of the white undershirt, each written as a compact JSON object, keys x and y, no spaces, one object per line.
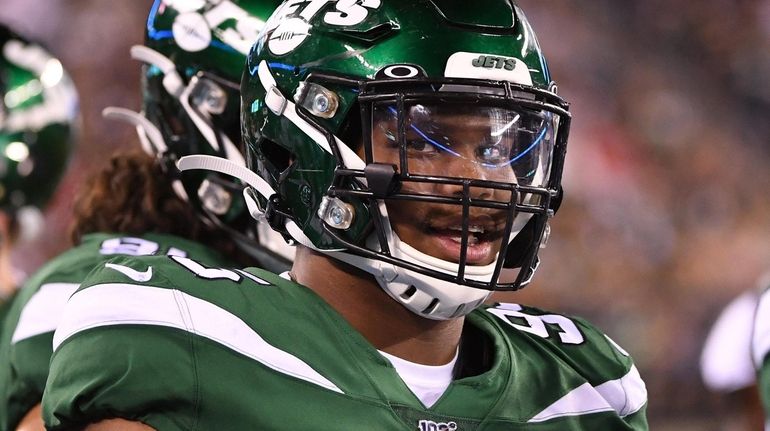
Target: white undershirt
{"x":427,"y":382}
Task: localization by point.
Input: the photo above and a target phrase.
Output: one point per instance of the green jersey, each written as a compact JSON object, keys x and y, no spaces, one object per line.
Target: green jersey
{"x":34,"y":314}
{"x":182,"y":346}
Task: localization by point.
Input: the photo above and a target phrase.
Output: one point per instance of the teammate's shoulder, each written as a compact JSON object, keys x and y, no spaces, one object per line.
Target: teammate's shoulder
{"x":152,"y":244}
{"x":162,"y":297}
{"x":73,"y":264}
{"x":177,"y":272}
{"x":140,"y":327}
{"x":68,"y":266}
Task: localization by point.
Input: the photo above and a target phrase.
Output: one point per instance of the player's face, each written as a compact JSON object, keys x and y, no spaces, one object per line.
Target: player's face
{"x":449,"y":141}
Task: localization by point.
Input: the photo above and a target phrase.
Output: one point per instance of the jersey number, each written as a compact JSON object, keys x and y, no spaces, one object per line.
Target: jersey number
{"x":201,"y":271}
{"x":536,"y":324}
{"x":135,"y":247}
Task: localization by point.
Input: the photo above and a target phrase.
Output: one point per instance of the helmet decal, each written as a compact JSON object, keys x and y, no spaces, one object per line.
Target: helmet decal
{"x":485,"y":66}
{"x":203,"y":23}
{"x":293,"y":21}
{"x":192,"y":32}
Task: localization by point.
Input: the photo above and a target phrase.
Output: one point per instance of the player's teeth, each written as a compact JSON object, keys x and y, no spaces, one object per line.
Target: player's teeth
{"x":473,"y":229}
{"x":472,"y":239}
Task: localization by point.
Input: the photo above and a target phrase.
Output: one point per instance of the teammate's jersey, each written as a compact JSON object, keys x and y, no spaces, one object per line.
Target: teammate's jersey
{"x":725,"y":362}
{"x":27,"y":333}
{"x":760,"y":347}
{"x":181,"y":346}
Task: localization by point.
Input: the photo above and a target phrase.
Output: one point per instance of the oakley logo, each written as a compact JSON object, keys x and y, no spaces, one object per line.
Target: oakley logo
{"x":400,"y":71}
{"x":424,"y":425}
{"x":491,"y":62}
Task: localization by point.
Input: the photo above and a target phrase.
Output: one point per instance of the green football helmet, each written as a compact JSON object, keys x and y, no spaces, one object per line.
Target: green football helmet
{"x":38,"y":119}
{"x":420,"y":141}
{"x":193,"y":58}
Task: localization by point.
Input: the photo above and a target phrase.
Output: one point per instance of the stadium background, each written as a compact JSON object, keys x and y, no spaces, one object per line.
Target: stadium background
{"x":666,"y":216}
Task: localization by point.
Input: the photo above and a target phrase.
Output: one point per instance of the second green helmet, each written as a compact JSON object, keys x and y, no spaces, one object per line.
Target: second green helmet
{"x":38,"y":122}
{"x":193,"y":57}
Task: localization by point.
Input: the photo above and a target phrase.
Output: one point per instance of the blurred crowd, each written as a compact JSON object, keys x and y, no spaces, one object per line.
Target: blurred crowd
{"x":666,"y":216}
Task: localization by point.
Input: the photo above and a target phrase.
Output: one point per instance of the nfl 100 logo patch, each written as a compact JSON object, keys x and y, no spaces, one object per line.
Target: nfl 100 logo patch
{"x":426,"y":425}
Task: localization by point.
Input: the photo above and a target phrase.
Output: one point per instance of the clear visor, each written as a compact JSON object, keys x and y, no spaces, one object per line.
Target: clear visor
{"x":502,"y":144}
{"x":460,"y":166}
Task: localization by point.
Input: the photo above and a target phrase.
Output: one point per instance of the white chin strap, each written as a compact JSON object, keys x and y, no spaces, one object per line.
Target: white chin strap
{"x":425,"y":296}
{"x":267,"y":237}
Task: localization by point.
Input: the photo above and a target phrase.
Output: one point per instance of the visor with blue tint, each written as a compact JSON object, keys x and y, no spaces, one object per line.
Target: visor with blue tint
{"x":489,"y":143}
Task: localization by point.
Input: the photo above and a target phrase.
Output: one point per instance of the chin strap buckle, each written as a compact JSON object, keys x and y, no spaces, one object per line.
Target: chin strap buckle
{"x":276,"y":215}
{"x":276,"y":101}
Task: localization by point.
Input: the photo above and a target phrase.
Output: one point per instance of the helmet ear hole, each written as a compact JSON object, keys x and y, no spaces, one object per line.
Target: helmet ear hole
{"x":351,"y":132}
{"x":277,"y":156}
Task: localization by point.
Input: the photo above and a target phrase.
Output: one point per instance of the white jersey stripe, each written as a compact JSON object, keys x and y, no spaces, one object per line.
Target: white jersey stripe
{"x":43,"y":311}
{"x":580,"y":401}
{"x":128,"y":304}
{"x":625,"y":396}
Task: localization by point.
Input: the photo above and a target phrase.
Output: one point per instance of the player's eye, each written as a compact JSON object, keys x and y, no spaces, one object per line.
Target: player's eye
{"x":490,"y":154}
{"x":419,"y":145}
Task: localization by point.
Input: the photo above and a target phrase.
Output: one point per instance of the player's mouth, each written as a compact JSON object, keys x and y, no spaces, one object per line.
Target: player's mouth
{"x":483,"y":240}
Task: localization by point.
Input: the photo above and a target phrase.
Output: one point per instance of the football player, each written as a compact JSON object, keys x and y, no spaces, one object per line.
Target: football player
{"x":726,"y":366}
{"x":38,"y":118}
{"x":138,"y":204}
{"x":413,"y":150}
{"x":38,"y":122}
{"x":760,"y":346}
